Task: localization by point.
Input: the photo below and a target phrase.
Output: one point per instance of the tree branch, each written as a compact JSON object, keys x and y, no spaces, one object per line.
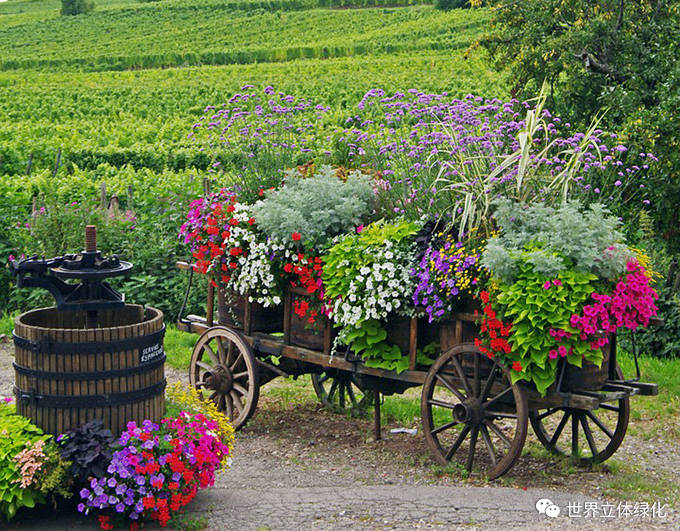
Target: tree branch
{"x":619,"y":21}
{"x":591,"y":64}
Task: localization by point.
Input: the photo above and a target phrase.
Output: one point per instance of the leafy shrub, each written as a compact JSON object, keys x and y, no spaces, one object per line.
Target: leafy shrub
{"x":613,"y":55}
{"x":30,"y":466}
{"x":664,"y":341}
{"x":88,"y":448}
{"x":556,"y":239}
{"x":317,"y":208}
{"x":76,"y":7}
{"x":445,"y":5}
{"x":142,"y":237}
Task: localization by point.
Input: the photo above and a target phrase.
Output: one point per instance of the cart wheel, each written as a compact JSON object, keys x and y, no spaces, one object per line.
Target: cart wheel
{"x":602,"y":429}
{"x":223,"y":369}
{"x":473,"y":413}
{"x":340,"y":392}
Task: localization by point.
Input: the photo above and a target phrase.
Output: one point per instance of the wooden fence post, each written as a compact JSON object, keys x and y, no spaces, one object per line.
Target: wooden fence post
{"x":56,"y":163}
{"x":103,"y":203}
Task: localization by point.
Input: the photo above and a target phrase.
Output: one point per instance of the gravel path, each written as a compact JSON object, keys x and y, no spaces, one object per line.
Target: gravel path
{"x":297,"y":466}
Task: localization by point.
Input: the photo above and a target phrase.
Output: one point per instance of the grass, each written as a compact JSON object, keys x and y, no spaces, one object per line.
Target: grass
{"x":178,"y":347}
{"x":6,"y":324}
{"x":628,"y":482}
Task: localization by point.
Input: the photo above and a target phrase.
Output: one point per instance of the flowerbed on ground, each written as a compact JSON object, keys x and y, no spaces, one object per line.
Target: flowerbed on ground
{"x":150,"y":472}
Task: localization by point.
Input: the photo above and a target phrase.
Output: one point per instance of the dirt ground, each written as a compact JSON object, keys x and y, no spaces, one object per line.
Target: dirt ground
{"x":298,"y":466}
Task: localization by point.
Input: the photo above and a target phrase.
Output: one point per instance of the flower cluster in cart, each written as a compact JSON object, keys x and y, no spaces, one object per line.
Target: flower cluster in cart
{"x":450,"y":205}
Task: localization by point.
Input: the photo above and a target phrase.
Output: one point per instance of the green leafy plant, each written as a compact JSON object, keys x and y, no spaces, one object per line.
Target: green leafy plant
{"x":30,"y":465}
{"x":537,"y":304}
{"x":555,"y":239}
{"x":366,"y":278}
{"x":318,"y":208}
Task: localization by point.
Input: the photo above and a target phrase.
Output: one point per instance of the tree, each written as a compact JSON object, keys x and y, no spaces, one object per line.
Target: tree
{"x":615,"y":55}
{"x":76,"y":7}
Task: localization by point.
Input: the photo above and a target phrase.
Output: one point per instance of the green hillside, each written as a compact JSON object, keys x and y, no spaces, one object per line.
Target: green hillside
{"x":122,"y":85}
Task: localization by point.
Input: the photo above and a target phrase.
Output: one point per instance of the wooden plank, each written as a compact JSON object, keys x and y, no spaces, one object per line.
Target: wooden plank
{"x":319,"y":358}
{"x":247,"y":316}
{"x":573,"y":400}
{"x":458,"y":335}
{"x":463,"y":316}
{"x":644,"y":389}
{"x":287,"y":309}
{"x":210,"y":304}
{"x":327,"y":337}
{"x":413,"y":343}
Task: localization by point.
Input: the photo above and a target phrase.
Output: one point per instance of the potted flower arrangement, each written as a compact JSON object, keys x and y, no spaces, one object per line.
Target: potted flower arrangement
{"x":224,"y":242}
{"x":464,"y":207}
{"x":302,"y":217}
{"x":563,"y":282}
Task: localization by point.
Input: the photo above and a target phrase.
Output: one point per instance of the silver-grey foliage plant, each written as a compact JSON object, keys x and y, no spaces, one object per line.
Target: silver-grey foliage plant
{"x":553,"y":239}
{"x":317,"y":207}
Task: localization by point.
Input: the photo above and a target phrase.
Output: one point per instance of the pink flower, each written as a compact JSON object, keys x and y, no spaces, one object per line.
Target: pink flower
{"x":359,"y":229}
{"x":557,"y":282}
{"x":553,"y":354}
{"x":546,"y":285}
{"x":562,"y":350}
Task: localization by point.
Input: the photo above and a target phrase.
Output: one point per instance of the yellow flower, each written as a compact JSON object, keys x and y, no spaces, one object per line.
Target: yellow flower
{"x":188,"y":398}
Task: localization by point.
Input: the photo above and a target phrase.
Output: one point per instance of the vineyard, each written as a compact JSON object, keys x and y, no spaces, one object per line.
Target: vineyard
{"x":110,"y":97}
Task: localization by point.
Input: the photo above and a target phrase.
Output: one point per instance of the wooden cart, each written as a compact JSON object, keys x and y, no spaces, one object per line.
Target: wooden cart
{"x":471,"y":411}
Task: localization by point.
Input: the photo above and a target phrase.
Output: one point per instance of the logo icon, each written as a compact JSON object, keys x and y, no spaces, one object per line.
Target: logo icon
{"x":547,"y":507}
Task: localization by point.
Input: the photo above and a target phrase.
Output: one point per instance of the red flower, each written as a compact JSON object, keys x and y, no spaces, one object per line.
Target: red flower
{"x":261,"y":192}
{"x":288,"y":268}
{"x":235,"y":251}
{"x":296,"y":236}
{"x":230,"y":208}
{"x":233,"y":265}
{"x":517,"y":366}
{"x":149,"y":502}
{"x":484,"y":296}
{"x":251,"y":221}
{"x":233,"y":221}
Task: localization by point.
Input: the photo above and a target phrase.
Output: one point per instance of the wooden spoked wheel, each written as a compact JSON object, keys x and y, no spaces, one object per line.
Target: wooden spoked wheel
{"x":223,"y":369}
{"x":586,"y":437}
{"x":472,"y":414}
{"x":340,"y":392}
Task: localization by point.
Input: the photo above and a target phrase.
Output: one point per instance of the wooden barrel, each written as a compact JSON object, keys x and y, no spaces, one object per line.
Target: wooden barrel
{"x":67,"y":374}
